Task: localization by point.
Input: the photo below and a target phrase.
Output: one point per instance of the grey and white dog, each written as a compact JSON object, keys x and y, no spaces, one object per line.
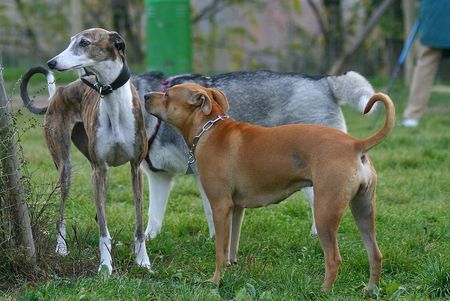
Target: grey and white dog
{"x":262,"y":97}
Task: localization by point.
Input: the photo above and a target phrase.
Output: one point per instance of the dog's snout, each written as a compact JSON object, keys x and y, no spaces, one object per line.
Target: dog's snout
{"x":52,"y":64}
{"x":147,"y":96}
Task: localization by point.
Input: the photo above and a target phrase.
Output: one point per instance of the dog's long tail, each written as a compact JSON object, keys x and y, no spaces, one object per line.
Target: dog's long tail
{"x":24,"y":88}
{"x":351,"y":88}
{"x":369,"y":142}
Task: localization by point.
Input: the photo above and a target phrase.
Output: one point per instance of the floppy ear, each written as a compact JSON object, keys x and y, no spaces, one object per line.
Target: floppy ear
{"x":221,"y":99}
{"x":118,"y":41}
{"x":203,"y":100}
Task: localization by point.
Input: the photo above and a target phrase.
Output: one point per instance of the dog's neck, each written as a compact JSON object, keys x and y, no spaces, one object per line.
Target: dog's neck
{"x":107,"y":71}
{"x":191,"y":128}
{"x":201,"y":131}
{"x":117,"y":103}
{"x":198,"y":123}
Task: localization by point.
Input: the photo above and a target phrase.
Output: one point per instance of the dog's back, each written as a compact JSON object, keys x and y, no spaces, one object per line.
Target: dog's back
{"x":275,"y":98}
{"x":264,"y":98}
{"x":271,"y":99}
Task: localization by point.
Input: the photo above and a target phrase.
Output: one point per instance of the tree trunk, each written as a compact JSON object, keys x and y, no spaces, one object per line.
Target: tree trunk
{"x":209,"y":11}
{"x":11,"y":170}
{"x":338,"y":67}
{"x":333,"y":36}
{"x":121,"y":23}
{"x":410,"y":15}
{"x":76,"y":22}
{"x":29,"y":30}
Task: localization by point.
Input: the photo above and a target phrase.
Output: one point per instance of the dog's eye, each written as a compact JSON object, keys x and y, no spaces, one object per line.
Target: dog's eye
{"x":84,"y":43}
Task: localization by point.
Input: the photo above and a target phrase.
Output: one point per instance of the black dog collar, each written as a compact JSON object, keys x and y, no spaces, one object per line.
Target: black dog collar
{"x":102,"y":89}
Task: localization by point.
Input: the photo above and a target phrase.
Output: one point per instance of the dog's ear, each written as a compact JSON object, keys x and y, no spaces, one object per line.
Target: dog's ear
{"x":221,"y":99}
{"x":118,"y":41}
{"x":202,"y":100}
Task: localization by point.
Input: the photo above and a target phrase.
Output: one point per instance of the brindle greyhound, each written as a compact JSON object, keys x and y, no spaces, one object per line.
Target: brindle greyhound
{"x":103,"y":117}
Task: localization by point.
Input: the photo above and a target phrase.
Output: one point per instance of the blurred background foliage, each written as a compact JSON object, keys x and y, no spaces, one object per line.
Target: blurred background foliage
{"x":300,"y":35}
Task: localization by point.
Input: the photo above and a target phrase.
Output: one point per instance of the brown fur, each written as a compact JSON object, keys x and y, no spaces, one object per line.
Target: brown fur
{"x":73,"y":114}
{"x":74,"y":109}
{"x":103,"y":44}
{"x":245,"y":166}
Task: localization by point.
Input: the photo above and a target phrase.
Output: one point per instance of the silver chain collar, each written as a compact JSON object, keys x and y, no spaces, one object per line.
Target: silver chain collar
{"x":205,"y":127}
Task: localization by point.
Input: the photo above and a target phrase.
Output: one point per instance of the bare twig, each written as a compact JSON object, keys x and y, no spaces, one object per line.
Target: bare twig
{"x":362,"y":35}
{"x":11,"y":167}
{"x":209,"y":10}
{"x":323,"y":24}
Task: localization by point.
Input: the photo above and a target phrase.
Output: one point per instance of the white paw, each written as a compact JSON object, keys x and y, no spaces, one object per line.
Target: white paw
{"x":152,"y":230}
{"x":61,"y":250}
{"x":107,"y":266}
{"x":105,"y":254}
{"x":61,"y":246}
{"x":144,"y":263}
{"x":140,"y":251}
{"x":313,"y":230}
{"x":150,"y":234}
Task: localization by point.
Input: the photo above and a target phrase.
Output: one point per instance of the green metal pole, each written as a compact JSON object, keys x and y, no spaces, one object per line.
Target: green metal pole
{"x":169,"y":40}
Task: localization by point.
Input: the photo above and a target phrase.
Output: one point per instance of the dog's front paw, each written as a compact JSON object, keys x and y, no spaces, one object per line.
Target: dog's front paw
{"x":214,"y":280}
{"x":62,"y":250}
{"x":150,"y":234}
{"x":105,"y":268}
{"x":371,"y":291}
{"x":61,"y":246}
{"x":142,"y":258}
{"x":144,"y":264}
{"x":152,"y":231}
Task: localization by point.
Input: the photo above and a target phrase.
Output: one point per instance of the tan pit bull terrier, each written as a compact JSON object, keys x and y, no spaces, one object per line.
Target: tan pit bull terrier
{"x":246,"y":166}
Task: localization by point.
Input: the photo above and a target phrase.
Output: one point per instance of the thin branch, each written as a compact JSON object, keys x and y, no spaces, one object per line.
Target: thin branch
{"x":323,"y":24}
{"x":209,"y":10}
{"x":362,"y":35}
{"x":29,"y":30}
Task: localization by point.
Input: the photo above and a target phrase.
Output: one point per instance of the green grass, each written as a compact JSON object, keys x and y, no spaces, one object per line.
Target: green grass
{"x":278,"y":258}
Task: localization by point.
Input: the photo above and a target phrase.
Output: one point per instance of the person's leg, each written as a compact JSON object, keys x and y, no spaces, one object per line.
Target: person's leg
{"x":422,"y":81}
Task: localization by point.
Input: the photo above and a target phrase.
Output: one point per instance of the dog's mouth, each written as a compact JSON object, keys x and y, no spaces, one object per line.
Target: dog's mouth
{"x":69,"y":69}
{"x":157,"y":116}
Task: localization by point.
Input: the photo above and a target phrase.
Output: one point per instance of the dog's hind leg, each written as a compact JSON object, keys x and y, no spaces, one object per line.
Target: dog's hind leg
{"x":160,"y":184}
{"x":309,"y":192}
{"x":57,"y":135}
{"x":99,"y":178}
{"x":139,"y":244}
{"x":80,"y":139}
{"x":238,"y":216}
{"x":206,"y":207}
{"x":363,"y":210}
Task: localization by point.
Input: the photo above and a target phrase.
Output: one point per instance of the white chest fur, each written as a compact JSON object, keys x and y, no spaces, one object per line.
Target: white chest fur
{"x":115,"y":136}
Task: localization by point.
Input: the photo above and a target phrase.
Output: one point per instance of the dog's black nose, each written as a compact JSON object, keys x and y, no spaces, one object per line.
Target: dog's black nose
{"x":147,"y":96}
{"x":52,"y":64}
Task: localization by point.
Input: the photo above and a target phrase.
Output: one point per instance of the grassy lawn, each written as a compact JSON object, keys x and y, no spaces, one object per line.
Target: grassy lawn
{"x":279,"y":260}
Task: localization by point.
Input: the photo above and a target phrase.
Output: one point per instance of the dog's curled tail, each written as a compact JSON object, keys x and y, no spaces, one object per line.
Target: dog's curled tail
{"x":369,"y":142}
{"x":351,"y":88}
{"x":24,"y":88}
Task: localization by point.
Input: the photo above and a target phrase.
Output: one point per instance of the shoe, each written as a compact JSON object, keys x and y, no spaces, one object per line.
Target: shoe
{"x":410,"y":123}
